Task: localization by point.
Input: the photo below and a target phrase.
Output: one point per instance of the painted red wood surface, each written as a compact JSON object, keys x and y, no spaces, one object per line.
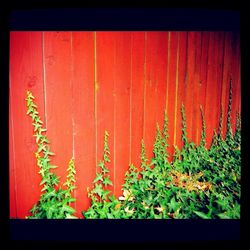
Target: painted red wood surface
{"x":87,"y":82}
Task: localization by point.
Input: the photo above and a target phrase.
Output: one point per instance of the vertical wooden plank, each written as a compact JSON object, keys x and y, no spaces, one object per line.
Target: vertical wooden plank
{"x":160,"y":75}
{"x":26,"y":73}
{"x":203,"y":72}
{"x":105,"y":62}
{"x":83,"y":115}
{"x":219,"y":80}
{"x":181,"y":85}
{"x":238,"y":76}
{"x":122,"y":107}
{"x":171,"y":88}
{"x":217,"y":85}
{"x":235,"y":58}
{"x":151,"y":91}
{"x":203,"y":68}
{"x":196,"y":118}
{"x":58,"y":96}
{"x":137,"y":53}
{"x":211,"y":112}
{"x":190,"y":90}
{"x":12,"y":167}
{"x":226,"y":78}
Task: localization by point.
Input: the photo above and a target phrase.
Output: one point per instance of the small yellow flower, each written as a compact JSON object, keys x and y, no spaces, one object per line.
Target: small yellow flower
{"x":128,"y":195}
{"x":129,"y":211}
{"x":160,"y":209}
{"x":117,"y":206}
{"x":37,"y":155}
{"x":144,"y":205}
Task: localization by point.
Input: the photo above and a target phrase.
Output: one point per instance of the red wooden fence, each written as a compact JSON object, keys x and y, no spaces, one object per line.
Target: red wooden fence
{"x":88,"y":82}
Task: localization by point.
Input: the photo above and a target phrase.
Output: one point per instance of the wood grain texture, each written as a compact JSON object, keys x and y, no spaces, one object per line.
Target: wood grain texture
{"x":83,"y":113}
{"x":58,"y":92}
{"x":87,"y":82}
{"x":26,"y":73}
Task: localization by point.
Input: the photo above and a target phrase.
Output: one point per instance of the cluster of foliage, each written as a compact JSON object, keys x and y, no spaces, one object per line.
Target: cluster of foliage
{"x":103,"y":204}
{"x":54,"y":201}
{"x":198,"y":183}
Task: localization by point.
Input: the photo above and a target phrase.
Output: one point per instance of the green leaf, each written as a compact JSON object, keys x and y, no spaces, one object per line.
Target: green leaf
{"x":202,"y":215}
{"x":223,"y":216}
{"x":51,"y":166}
{"x":68,"y":209}
{"x":43,"y":180}
{"x":107,"y":181}
{"x":30,"y":109}
{"x":38,"y":137}
{"x":50,"y":153}
{"x":98,"y":178}
{"x":101,"y":164}
{"x":30,"y":96}
{"x":98,"y":189}
{"x":41,"y":147}
{"x":173,"y":205}
{"x":105,"y":193}
{"x":69,"y":216}
{"x":49,"y":194}
{"x":45,"y":188}
{"x":110,"y":216}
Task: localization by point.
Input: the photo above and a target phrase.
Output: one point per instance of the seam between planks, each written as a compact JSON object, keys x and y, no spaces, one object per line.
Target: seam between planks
{"x":44,"y":83}
{"x":167,"y":82}
{"x":176,"y":88}
{"x":144,"y":83}
{"x":13,"y":150}
{"x":95,"y":96}
{"x":130,"y":100}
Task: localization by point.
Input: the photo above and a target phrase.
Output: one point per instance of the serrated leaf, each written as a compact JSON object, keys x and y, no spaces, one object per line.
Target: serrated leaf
{"x":43,"y":181}
{"x":223,"y":216}
{"x":68,"y":209}
{"x":51,"y":166}
{"x":50,"y":153}
{"x":202,"y":215}
{"x":41,"y":147}
{"x":110,"y":216}
{"x":101,"y":164}
{"x":68,"y":216}
{"x":98,"y":178}
{"x":98,"y":189}
{"x":44,"y":188}
{"x":107,"y":181}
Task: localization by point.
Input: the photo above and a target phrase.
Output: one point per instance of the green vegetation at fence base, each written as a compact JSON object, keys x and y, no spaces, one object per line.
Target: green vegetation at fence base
{"x":198,"y":183}
{"x":55,"y":201}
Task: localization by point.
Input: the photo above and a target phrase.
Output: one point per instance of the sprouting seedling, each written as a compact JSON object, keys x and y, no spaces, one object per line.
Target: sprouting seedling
{"x":229,"y":133}
{"x":184,"y":126}
{"x":203,"y":132}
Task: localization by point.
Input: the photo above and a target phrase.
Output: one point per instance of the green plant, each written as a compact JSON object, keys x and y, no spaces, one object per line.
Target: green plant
{"x":54,"y":202}
{"x":145,"y":192}
{"x":198,"y":183}
{"x":103,"y":205}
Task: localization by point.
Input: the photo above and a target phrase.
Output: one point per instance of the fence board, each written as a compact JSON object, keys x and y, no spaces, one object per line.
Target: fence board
{"x":181,"y":85}
{"x":138,"y":51}
{"x":105,"y":61}
{"x":83,"y":115}
{"x":173,"y":49}
{"x":122,"y":107}
{"x":58,"y":93}
{"x":150,"y":92}
{"x":25,"y":74}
